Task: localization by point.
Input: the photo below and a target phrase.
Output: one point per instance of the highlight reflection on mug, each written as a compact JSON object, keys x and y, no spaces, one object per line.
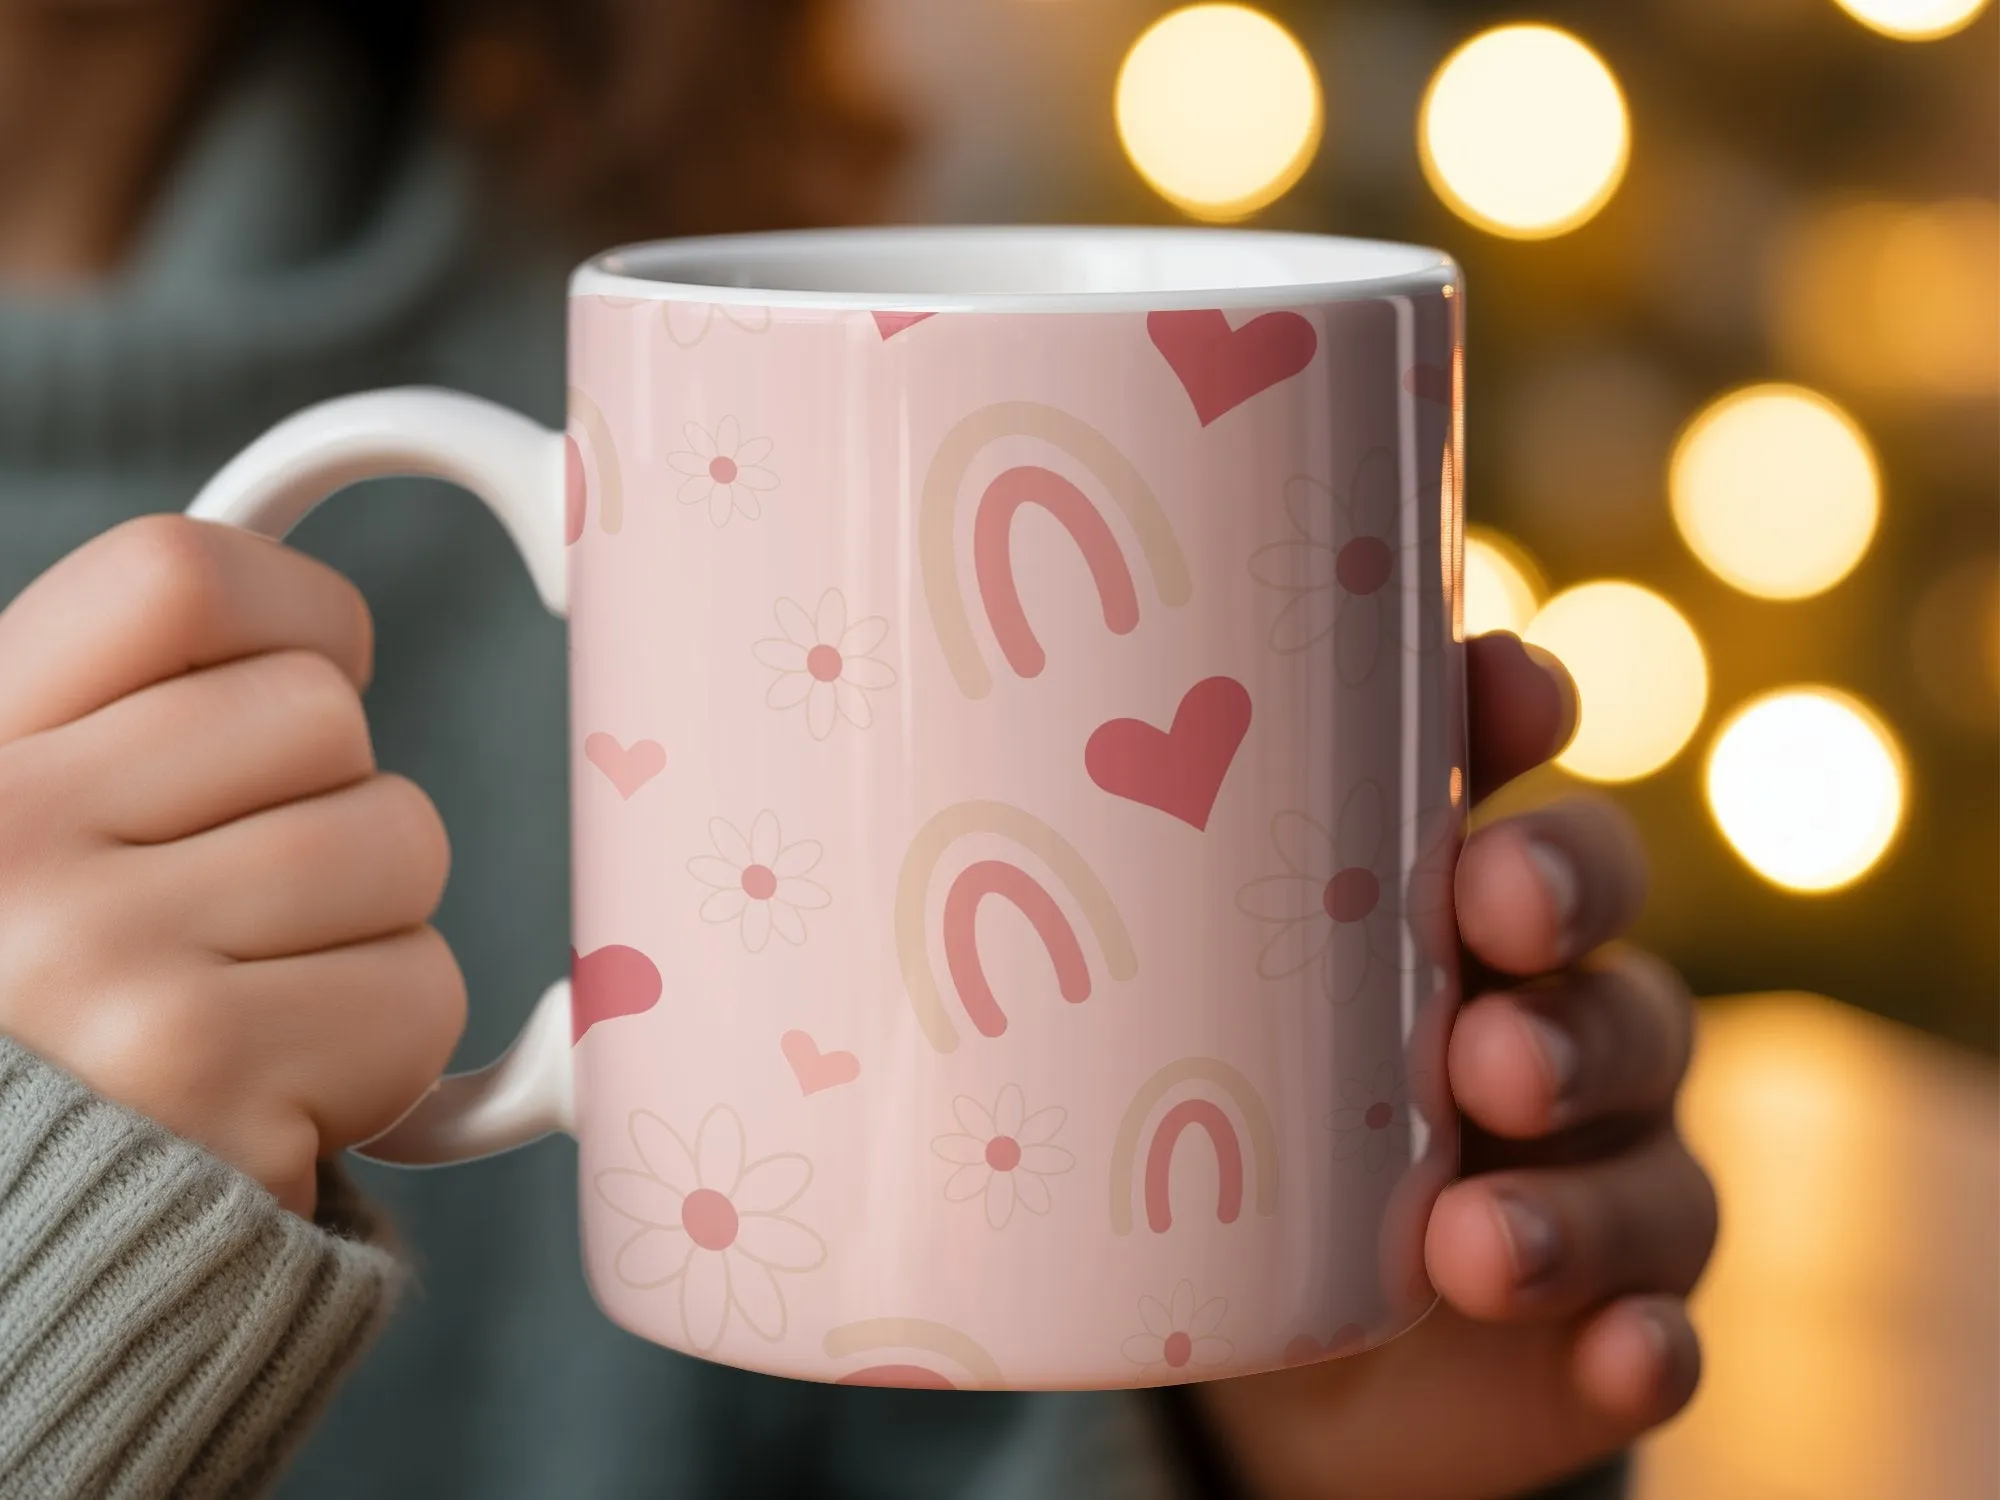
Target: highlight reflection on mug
{"x":992,"y":530}
{"x":1219,"y":1085}
{"x":996,"y":877}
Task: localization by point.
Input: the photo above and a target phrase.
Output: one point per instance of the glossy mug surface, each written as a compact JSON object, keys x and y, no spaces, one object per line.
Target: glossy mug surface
{"x":1018,"y":746}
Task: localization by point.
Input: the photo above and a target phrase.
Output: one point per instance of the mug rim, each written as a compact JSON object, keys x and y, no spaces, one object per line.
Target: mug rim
{"x":1298,"y":268}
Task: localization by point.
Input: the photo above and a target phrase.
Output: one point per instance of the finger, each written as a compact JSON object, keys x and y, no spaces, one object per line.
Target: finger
{"x":1608,"y":1038}
{"x":359,"y":863}
{"x":1533,"y":1244}
{"x":1536,"y":891}
{"x":1638,"y":1361}
{"x":1521,"y":708}
{"x":160,"y":596}
{"x":198,"y":751}
{"x":355,"y":1035}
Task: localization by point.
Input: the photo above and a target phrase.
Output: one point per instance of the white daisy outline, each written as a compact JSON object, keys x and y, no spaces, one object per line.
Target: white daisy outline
{"x":971,"y":1150}
{"x":1183,"y":1317}
{"x":688,"y":323}
{"x":1305,"y":568}
{"x":798,"y":656}
{"x":717,"y":1283}
{"x":1349,"y":952}
{"x":1354,"y":1133}
{"x":723,"y":471}
{"x":759,"y":881}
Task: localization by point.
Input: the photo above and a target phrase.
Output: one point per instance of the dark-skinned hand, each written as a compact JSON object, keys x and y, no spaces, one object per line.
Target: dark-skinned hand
{"x":1564,"y":1255}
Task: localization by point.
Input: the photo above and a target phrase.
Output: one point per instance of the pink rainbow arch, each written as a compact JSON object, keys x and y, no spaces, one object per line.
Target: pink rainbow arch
{"x":1002,"y":878}
{"x":1160,"y":1158}
{"x":993,"y":562}
{"x":995,"y":877}
{"x":937,"y":544}
{"x":899,"y":1338}
{"x":1201,"y":1111}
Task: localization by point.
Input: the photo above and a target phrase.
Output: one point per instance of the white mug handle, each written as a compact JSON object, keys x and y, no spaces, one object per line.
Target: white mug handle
{"x":516,"y":467}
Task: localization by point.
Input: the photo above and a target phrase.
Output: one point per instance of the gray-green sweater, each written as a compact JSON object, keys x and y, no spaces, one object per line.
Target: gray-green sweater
{"x":165,"y":1328}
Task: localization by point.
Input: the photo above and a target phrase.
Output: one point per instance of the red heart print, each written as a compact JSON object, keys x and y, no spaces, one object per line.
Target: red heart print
{"x":814,"y":1069}
{"x":608,"y":983}
{"x":889,"y":324}
{"x":627,"y":767}
{"x":1222,"y":367}
{"x":1178,"y":770}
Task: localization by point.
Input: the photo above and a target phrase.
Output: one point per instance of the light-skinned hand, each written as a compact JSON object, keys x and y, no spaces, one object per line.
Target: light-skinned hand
{"x":212,"y":906}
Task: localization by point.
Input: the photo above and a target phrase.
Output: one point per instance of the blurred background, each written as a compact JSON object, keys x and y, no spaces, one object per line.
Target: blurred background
{"x":1733,"y":273}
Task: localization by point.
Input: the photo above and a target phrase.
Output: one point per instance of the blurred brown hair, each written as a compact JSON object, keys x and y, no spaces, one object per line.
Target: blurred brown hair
{"x":611,"y":120}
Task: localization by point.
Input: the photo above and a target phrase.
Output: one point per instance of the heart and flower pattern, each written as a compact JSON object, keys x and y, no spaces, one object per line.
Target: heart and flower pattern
{"x":994,"y":892}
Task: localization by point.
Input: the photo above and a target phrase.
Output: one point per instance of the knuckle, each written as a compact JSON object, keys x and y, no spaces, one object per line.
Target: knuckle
{"x":438,"y":1004}
{"x":314,"y":694}
{"x":1655,"y":990}
{"x":167,"y":566}
{"x":413,"y":836}
{"x":1706,"y":1203}
{"x":162,"y":1052}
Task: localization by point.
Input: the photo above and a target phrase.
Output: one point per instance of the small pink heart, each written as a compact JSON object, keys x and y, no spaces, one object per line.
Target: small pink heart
{"x":608,"y":983}
{"x":889,"y":324}
{"x":1222,"y":367}
{"x":814,"y":1069}
{"x":627,"y":767}
{"x":1429,"y":382}
{"x":1178,"y":770}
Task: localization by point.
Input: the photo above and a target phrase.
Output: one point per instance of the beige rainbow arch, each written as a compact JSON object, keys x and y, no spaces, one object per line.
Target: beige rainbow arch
{"x":1125,"y":1180}
{"x":938,"y":510}
{"x":603,"y":453}
{"x":920,"y":863}
{"x":872,"y":1334}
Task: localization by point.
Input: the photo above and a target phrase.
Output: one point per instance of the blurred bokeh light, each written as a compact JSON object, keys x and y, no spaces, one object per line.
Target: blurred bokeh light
{"x":1899,"y":297}
{"x":1640,"y":673}
{"x":1775,"y":489}
{"x":1503,"y":587}
{"x":1808,"y":786}
{"x":1914,"y":20}
{"x":1524,"y":132}
{"x":1219,"y":108}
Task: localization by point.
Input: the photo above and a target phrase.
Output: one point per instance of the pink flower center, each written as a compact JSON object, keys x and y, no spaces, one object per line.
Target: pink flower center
{"x":1179,"y":1350}
{"x":1348,"y":897}
{"x":709,"y":1219}
{"x":1363,"y":565}
{"x":723,"y":470}
{"x":1380,"y":1113}
{"x":1003,"y":1153}
{"x":824,"y":663}
{"x":759,"y":884}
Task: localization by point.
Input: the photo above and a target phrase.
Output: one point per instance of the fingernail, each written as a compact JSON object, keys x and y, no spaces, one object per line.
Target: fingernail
{"x":1559,"y":880}
{"x":1532,"y":1245}
{"x":1559,"y":1054}
{"x":1659,"y":1338}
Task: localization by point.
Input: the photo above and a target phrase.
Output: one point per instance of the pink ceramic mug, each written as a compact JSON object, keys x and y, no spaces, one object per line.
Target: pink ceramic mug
{"x":1019,"y":759}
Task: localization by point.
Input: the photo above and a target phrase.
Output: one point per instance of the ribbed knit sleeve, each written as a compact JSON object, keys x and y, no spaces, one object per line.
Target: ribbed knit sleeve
{"x":166,"y":1328}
